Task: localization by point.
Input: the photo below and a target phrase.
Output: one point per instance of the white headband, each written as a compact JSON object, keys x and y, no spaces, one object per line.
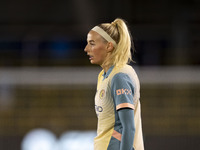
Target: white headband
{"x":104,"y":35}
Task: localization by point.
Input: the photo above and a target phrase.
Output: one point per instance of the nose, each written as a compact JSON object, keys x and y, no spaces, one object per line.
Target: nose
{"x":86,"y":48}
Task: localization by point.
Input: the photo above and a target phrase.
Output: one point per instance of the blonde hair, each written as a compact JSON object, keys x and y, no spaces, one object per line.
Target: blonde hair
{"x":119,"y":32}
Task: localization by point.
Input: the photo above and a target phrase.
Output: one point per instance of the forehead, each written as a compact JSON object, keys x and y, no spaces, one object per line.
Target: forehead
{"x":94,"y":36}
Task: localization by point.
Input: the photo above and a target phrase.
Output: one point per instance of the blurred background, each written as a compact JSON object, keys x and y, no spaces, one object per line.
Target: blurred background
{"x":47,"y":84}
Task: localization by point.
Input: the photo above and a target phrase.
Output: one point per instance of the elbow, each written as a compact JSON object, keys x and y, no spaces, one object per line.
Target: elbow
{"x":132,"y":129}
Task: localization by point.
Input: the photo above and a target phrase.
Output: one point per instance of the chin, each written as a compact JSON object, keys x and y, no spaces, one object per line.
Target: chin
{"x":94,"y":63}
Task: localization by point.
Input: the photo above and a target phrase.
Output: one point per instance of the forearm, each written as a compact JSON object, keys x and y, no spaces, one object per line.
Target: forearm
{"x":127,"y":119}
{"x":127,"y":139}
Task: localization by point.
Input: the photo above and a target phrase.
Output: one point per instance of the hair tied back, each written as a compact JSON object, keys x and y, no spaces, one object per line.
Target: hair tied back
{"x":113,"y":23}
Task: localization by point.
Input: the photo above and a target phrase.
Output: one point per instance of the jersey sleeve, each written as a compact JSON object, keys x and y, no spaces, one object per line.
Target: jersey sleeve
{"x":122,"y":90}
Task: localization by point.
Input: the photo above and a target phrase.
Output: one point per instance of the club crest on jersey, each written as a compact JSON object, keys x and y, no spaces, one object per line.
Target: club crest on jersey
{"x":102,"y":94}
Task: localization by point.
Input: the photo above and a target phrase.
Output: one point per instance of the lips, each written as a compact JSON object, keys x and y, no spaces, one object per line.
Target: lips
{"x":90,"y":57}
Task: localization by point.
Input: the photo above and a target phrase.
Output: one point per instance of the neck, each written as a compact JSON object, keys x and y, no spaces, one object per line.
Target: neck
{"x":105,"y":68}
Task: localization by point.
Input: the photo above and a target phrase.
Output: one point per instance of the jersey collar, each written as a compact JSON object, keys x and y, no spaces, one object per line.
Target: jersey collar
{"x":106,"y":74}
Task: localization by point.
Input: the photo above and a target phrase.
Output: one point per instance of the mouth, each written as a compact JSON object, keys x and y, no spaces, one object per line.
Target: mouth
{"x":90,"y":57}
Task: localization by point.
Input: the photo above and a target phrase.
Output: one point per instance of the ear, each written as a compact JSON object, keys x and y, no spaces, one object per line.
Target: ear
{"x":110,"y":47}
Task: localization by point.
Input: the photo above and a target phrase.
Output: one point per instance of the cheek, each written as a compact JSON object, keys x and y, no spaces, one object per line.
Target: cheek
{"x":100,"y":53}
{"x":100,"y":50}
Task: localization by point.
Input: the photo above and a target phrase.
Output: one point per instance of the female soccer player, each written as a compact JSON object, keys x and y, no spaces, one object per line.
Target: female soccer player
{"x":117,"y":101}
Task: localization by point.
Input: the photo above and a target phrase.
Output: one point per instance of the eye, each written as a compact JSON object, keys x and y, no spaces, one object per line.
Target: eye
{"x":92,"y":44}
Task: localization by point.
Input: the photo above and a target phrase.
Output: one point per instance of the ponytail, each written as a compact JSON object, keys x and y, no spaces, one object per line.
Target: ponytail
{"x":119,"y":32}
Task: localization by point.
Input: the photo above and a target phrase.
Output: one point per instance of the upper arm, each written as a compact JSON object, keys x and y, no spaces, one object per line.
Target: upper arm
{"x":122,"y":91}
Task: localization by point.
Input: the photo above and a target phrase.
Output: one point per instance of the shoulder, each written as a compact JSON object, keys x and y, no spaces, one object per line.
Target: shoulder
{"x":123,"y":73}
{"x":128,"y":72}
{"x":121,"y":79}
{"x":120,"y":76}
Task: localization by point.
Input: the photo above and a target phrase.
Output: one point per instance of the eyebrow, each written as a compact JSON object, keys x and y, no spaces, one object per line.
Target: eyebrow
{"x":90,"y":41}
